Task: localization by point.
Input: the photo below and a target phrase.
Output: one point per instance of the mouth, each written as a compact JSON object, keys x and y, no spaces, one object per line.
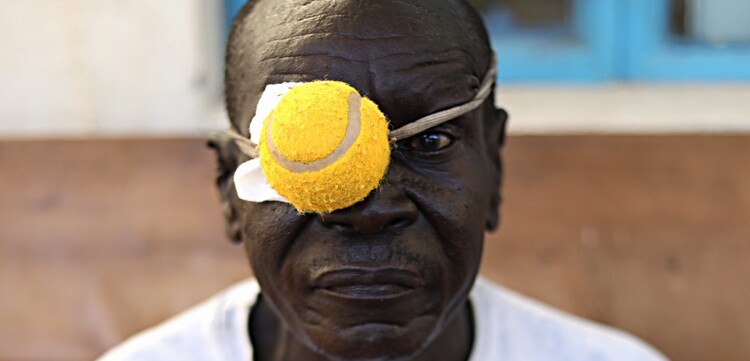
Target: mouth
{"x":367,"y":284}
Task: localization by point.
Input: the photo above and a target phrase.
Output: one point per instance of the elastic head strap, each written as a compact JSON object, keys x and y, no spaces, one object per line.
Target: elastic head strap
{"x":418,"y":126}
{"x":245,"y":144}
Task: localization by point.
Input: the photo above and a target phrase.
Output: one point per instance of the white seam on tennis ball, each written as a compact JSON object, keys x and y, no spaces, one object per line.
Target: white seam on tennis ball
{"x":353,"y":127}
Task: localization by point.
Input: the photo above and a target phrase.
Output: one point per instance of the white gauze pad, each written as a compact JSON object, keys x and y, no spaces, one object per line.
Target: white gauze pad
{"x":249,"y":180}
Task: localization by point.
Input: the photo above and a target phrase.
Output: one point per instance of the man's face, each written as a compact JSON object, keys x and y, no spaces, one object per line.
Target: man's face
{"x":382,"y":278}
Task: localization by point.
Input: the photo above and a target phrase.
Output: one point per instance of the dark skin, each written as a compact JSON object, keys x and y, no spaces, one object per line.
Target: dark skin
{"x":388,"y":278}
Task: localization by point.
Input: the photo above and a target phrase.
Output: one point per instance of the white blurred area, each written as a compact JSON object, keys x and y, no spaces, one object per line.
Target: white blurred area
{"x":627,"y":108}
{"x":110,"y":67}
{"x":89,"y":68}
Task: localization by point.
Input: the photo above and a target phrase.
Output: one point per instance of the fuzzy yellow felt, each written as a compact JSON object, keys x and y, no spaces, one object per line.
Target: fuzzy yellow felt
{"x":309,"y":128}
{"x":310,"y":120}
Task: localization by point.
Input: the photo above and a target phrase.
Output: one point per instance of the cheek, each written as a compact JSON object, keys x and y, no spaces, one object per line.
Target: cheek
{"x":453,"y":201}
{"x":268,"y":244}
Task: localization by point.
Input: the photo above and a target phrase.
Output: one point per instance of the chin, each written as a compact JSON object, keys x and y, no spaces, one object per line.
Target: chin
{"x":375,"y":341}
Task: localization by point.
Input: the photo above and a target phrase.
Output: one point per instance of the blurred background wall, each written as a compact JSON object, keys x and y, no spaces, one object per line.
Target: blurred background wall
{"x":627,"y":189}
{"x":108,"y":67}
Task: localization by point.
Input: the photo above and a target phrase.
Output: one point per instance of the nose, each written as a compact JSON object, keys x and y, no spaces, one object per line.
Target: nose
{"x":387,"y":207}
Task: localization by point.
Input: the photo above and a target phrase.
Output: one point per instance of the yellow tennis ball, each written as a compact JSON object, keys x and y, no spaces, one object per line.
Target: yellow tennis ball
{"x":324,"y":147}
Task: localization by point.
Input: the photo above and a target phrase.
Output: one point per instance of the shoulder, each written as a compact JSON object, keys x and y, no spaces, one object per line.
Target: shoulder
{"x":514,"y":327}
{"x":212,"y":330}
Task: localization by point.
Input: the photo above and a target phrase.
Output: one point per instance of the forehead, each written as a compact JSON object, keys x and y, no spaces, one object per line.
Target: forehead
{"x":410,"y":60}
{"x":405,"y":87}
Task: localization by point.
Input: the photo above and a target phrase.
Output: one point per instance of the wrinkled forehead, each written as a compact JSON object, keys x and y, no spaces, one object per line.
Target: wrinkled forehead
{"x":405,"y":87}
{"x":410,"y":60}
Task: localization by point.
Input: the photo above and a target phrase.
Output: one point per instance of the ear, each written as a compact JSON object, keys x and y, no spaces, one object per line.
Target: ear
{"x":227,"y":160}
{"x":495,"y":138}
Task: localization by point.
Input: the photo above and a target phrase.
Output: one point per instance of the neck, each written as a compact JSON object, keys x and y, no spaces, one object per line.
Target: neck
{"x":272,"y":340}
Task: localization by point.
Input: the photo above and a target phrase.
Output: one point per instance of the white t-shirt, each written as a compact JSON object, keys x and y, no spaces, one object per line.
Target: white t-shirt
{"x":509,"y":327}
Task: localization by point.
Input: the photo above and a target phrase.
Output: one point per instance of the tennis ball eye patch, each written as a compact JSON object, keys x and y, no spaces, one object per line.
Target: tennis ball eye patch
{"x":320,"y":146}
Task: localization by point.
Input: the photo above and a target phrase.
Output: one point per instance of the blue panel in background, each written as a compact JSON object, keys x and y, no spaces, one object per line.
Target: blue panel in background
{"x":586,"y":54}
{"x":654,"y":55}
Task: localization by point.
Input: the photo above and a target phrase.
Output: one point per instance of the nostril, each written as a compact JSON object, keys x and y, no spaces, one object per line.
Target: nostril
{"x":368,"y":224}
{"x":363,"y":222}
{"x":397,"y":223}
{"x":331,"y":222}
{"x":341,"y":226}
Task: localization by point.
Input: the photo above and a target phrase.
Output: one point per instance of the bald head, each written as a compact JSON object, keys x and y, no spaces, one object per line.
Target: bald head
{"x":434,"y":48}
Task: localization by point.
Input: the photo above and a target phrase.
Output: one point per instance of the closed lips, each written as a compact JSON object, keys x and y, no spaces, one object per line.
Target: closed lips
{"x":368,"y":283}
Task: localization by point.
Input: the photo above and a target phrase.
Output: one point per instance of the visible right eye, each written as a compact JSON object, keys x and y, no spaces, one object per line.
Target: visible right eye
{"x":429,"y":141}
